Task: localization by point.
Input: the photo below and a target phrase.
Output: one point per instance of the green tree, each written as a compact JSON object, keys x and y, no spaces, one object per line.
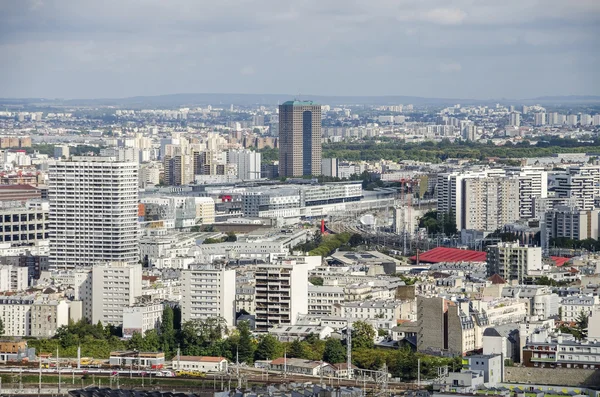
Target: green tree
{"x":315,"y":280}
{"x":334,"y":351}
{"x":363,"y":335}
{"x":295,"y":349}
{"x":355,"y":240}
{"x":167,"y":331}
{"x":581,"y":326}
{"x":268,"y":348}
{"x":231,"y":237}
{"x":1,"y":327}
{"x":245,"y":346}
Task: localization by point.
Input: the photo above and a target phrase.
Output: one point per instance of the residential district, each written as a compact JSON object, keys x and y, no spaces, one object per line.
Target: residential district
{"x":369,"y":248}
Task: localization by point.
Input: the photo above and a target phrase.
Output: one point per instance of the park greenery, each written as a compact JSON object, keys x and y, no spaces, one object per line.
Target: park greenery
{"x":330,"y":243}
{"x":211,"y":337}
{"x":383,"y":148}
{"x":48,"y":149}
{"x":434,"y":223}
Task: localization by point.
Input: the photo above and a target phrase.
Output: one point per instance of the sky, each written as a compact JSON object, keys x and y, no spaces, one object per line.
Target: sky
{"x":480,"y":49}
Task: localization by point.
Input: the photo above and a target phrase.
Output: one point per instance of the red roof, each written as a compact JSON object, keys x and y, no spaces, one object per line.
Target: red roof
{"x":559,"y":260}
{"x":496,"y":279}
{"x":443,"y":254}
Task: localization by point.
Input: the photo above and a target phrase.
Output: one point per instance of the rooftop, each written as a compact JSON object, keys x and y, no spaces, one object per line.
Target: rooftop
{"x":443,"y":254}
{"x":299,"y":103}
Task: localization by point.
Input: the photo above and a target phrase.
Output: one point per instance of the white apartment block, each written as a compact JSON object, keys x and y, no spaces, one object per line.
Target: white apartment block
{"x":115,"y":286}
{"x":572,"y":307}
{"x":502,"y":311}
{"x":82,"y":290}
{"x":386,"y":312}
{"x":245,"y":299}
{"x":573,"y":223}
{"x":513,"y":262}
{"x":542,"y":303}
{"x":149,"y":175}
{"x":47,"y":317}
{"x":13,"y":278}
{"x":533,"y":184}
{"x":208,"y":291}
{"x":141,"y":318}
{"x":93,"y":212}
{"x":578,"y":185}
{"x":15,"y":313}
{"x":281,"y":294}
{"x":490,"y":203}
{"x":247,"y":161}
{"x":321,"y":299}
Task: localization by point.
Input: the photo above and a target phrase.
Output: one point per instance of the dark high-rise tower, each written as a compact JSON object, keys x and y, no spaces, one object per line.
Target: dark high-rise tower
{"x":299,"y":139}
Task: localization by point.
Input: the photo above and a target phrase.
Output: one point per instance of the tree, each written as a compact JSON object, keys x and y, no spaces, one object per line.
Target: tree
{"x":268,"y":348}
{"x":334,"y":351}
{"x":355,"y":240}
{"x":1,"y":327}
{"x":315,"y":280}
{"x":167,"y":331}
{"x":581,"y":325}
{"x":363,"y":335}
{"x":295,"y":349}
{"x":231,"y":237}
{"x":245,"y":345}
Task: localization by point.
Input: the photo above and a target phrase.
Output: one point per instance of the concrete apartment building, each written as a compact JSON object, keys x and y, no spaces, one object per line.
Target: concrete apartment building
{"x":247,"y":162}
{"x":572,"y":307}
{"x":15,"y":313}
{"x":22,"y":225}
{"x":13,"y":278}
{"x":542,"y":302}
{"x":514,"y":262}
{"x":447,"y":326}
{"x":572,"y":222}
{"x":322,"y":298}
{"x":577,"y":184}
{"x":47,"y":317}
{"x":281,"y":294}
{"x":208,"y":291}
{"x":115,"y":286}
{"x":142,"y":317}
{"x":490,"y":203}
{"x":93,"y":212}
{"x":299,"y":139}
{"x":387,"y":312}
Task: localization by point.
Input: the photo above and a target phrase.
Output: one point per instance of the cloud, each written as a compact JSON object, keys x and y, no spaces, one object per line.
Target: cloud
{"x":247,"y":70}
{"x":452,"y":67}
{"x":87,"y":48}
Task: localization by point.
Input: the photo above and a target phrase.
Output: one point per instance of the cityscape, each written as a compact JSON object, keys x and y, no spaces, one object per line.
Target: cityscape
{"x":359,"y":240}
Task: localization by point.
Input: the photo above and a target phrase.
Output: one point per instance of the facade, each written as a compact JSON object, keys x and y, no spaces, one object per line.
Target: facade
{"x":299,"y":139}
{"x":248,"y":163}
{"x":24,"y":225}
{"x":542,"y":302}
{"x":13,"y":278}
{"x":82,"y":290}
{"x":572,"y":307}
{"x":542,"y":351}
{"x":281,"y":294}
{"x":141,"y":318}
{"x":245,"y":299}
{"x":200,"y":364}
{"x":490,"y":203}
{"x":115,"y":286}
{"x":513,"y":262}
{"x":329,"y":167}
{"x":578,"y":185}
{"x":20,"y":193}
{"x":93,"y":212}
{"x":301,"y":367}
{"x":321,"y":299}
{"x":208,"y":291}
{"x":15,"y":313}
{"x":135,"y":359}
{"x":387,"y":313}
{"x":47,"y":317}
{"x":572,"y":223}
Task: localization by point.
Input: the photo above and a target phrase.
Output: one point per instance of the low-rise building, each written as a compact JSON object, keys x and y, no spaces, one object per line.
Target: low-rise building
{"x":135,"y":359}
{"x":302,"y":367}
{"x":13,"y":278}
{"x":200,"y":364}
{"x":387,"y":311}
{"x":544,"y":351}
{"x":289,"y":333}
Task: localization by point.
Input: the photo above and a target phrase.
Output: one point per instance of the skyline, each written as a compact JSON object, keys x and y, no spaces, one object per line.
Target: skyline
{"x":63,"y":49}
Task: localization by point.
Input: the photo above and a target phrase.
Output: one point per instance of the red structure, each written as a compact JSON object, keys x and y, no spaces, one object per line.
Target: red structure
{"x":443,"y":254}
{"x":322,"y":226}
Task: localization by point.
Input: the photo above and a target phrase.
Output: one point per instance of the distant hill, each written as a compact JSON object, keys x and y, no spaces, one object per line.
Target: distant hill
{"x":185,"y":100}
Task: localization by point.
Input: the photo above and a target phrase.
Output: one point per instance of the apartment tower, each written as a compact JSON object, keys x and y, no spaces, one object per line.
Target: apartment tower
{"x":299,"y":139}
{"x":93,"y":212}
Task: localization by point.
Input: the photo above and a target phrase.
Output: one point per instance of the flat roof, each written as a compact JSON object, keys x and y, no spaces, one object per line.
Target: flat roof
{"x":299,"y":103}
{"x":444,"y":254}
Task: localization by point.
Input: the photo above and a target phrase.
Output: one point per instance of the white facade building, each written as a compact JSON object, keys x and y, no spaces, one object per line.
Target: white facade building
{"x":13,"y":278}
{"x":141,"y":318}
{"x":321,"y":299}
{"x":93,"y":212}
{"x":208,"y":291}
{"x":281,"y":294}
{"x":247,"y":162}
{"x":572,"y":307}
{"x":115,"y":286}
{"x":514,"y":262}
{"x":47,"y":317}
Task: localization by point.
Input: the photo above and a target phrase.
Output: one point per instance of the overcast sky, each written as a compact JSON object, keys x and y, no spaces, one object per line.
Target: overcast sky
{"x":431,"y":48}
